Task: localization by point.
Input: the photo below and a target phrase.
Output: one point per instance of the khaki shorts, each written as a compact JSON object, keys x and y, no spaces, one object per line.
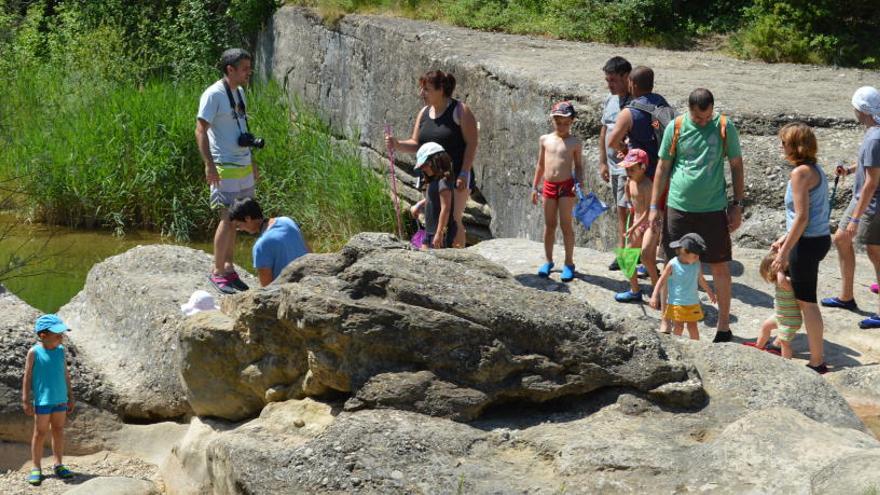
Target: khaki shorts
{"x":869,"y":224}
{"x":618,"y":185}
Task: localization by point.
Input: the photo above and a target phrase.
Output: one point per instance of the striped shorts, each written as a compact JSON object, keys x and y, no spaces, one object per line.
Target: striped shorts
{"x":236,"y":182}
{"x":788,"y":314}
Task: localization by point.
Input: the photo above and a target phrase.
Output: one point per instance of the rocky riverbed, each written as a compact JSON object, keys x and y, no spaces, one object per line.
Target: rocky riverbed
{"x":372,"y":371}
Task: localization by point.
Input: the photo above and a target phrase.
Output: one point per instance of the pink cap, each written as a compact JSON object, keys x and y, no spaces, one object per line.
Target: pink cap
{"x":634,"y":157}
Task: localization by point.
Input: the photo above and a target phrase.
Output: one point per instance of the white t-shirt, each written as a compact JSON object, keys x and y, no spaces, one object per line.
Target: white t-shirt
{"x":214,"y":108}
{"x":610,"y":110}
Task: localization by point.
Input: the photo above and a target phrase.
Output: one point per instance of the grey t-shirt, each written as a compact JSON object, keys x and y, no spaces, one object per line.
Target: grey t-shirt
{"x":869,"y":156}
{"x":214,"y":108}
{"x":610,"y":109}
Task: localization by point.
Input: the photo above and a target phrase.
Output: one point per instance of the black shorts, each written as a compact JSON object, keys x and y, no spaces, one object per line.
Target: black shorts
{"x":711,"y":226}
{"x":472,"y":179}
{"x":803,"y":266}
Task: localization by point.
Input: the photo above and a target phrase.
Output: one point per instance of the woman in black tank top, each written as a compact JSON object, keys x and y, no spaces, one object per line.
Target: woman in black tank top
{"x":451,"y":124}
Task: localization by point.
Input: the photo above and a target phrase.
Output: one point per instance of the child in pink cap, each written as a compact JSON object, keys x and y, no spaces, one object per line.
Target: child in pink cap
{"x":638,"y":190}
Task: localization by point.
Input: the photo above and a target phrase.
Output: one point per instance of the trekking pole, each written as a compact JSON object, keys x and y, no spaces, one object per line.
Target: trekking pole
{"x":393,"y":174}
{"x":833,"y":191}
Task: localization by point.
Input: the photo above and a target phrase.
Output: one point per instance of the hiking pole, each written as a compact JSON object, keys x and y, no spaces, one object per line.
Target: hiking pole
{"x":393,"y":174}
{"x":834,"y":191}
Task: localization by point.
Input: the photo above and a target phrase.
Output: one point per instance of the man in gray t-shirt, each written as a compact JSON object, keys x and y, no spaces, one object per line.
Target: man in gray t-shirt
{"x":616,"y":71}
{"x":861,"y":219}
{"x":229,"y":168}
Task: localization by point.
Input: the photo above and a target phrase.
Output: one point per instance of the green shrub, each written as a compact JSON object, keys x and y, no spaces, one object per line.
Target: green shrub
{"x":820,"y":31}
{"x":620,"y":22}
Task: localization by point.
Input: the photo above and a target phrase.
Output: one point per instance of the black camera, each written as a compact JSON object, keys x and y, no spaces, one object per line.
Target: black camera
{"x":248,"y":139}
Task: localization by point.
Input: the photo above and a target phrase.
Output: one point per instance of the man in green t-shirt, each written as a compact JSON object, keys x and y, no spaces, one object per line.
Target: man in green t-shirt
{"x":692,"y":163}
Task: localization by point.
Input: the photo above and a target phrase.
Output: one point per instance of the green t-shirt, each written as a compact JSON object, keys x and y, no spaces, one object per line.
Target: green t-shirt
{"x":697,"y":177}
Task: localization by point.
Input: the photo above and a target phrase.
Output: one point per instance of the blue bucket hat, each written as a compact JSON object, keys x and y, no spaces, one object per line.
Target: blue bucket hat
{"x":51,"y":323}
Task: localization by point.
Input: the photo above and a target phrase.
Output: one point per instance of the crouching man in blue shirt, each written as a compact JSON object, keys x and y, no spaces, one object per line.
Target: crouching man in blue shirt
{"x":280,"y":240}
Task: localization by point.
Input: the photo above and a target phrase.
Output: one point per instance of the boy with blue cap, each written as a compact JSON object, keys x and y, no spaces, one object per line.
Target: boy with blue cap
{"x":46,"y":394}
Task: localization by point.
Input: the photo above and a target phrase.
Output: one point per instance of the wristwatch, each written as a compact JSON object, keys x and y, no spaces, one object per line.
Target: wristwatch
{"x":737,"y":202}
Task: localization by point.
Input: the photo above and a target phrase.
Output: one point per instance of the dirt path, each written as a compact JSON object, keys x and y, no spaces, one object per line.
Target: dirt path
{"x":102,"y":464}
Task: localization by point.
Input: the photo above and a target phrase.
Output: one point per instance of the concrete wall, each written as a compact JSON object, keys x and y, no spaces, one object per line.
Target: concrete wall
{"x":363,"y":71}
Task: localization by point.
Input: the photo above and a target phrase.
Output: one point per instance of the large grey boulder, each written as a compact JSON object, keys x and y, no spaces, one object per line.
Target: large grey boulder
{"x":444,"y":333}
{"x":388,"y":404}
{"x":614,"y":440}
{"x":127,"y":317}
{"x":90,"y":427}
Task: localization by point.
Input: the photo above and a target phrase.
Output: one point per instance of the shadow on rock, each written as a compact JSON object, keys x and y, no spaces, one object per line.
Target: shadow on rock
{"x":541,"y":283}
{"x":567,"y":409}
{"x":751,"y":296}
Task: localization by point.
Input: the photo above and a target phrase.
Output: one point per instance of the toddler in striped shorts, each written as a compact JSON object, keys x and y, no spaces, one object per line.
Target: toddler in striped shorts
{"x":788,"y":319}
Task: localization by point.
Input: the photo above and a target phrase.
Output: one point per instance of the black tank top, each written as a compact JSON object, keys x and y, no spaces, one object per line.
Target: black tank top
{"x":444,"y":131}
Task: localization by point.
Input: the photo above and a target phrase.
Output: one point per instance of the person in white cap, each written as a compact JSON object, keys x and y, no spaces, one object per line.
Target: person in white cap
{"x":860,"y":221}
{"x":437,"y":167}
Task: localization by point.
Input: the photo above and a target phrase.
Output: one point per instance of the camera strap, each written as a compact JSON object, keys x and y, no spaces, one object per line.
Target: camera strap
{"x":236,"y":107}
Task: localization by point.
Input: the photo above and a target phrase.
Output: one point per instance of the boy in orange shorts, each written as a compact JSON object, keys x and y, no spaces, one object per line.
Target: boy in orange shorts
{"x":559,"y":172}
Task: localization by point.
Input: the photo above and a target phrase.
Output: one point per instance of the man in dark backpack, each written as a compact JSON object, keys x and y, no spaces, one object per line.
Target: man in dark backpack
{"x":692,"y":163}
{"x":640,"y":125}
{"x":643,"y":120}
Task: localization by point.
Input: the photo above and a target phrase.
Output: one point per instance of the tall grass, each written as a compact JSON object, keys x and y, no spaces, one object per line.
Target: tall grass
{"x":121,"y":155}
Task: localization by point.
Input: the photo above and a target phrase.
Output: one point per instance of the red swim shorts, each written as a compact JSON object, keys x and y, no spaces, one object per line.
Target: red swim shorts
{"x":556,"y":190}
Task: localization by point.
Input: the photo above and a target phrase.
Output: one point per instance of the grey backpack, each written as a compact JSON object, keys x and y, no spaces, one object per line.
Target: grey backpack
{"x":661,"y":116}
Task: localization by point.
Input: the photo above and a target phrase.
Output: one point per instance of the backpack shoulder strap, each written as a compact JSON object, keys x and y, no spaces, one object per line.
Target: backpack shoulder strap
{"x":678,"y":121}
{"x":722,"y":124}
{"x":645,"y":107}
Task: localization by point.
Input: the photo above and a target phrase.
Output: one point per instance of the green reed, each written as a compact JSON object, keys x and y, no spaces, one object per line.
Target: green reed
{"x":120,"y":155}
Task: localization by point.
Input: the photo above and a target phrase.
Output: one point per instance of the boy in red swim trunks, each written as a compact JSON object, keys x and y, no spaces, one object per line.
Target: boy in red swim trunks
{"x":559,"y":171}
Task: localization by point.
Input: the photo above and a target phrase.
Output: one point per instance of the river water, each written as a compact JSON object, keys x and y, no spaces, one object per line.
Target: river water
{"x":63,"y":257}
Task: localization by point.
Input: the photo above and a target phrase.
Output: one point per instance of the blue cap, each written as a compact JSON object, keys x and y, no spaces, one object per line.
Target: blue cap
{"x":51,"y":323}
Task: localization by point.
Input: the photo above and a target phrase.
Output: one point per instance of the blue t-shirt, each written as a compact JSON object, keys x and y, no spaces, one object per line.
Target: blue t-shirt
{"x":683,"y":283}
{"x":214,"y":108}
{"x":48,"y":383}
{"x":869,"y":157}
{"x":280,"y":244}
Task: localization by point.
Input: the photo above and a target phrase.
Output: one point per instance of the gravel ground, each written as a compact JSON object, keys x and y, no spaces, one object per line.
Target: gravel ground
{"x":13,"y":481}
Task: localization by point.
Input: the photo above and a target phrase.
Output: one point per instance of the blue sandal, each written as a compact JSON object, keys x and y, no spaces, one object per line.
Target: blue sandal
{"x":62,"y":472}
{"x":872,"y":321}
{"x":836,"y":302}
{"x":36,"y":477}
{"x":567,"y":273}
{"x":628,"y":296}
{"x":544,"y":271}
